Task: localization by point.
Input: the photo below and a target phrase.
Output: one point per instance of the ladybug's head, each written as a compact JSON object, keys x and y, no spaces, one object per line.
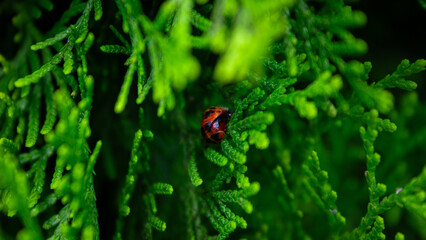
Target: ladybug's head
{"x":224,"y":112}
{"x":228,"y":114}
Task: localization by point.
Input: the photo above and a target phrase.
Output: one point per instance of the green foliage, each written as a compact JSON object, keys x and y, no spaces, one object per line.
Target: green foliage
{"x":404,"y":69}
{"x":193,"y":173}
{"x":308,"y":122}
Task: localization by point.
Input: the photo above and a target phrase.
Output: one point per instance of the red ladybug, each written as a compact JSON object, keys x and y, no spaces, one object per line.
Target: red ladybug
{"x":213,"y":125}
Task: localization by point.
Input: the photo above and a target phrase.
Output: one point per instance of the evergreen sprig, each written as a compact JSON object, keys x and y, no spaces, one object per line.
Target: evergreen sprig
{"x":136,"y":168}
{"x":404,"y":69}
{"x":167,"y":74}
{"x":72,"y":181}
{"x":325,"y":197}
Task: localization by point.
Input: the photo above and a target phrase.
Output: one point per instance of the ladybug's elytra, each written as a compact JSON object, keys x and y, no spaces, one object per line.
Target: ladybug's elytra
{"x":213,"y":125}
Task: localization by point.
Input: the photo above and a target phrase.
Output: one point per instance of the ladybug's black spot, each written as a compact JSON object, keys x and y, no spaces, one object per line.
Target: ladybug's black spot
{"x":219,"y":120}
{"x":207,"y":114}
{"x":223,"y":118}
{"x":212,"y":108}
{"x":215,"y":137}
{"x":208,"y":126}
{"x":203,"y":133}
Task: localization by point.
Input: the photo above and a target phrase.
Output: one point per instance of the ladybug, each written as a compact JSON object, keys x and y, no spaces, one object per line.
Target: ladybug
{"x":213,"y":124}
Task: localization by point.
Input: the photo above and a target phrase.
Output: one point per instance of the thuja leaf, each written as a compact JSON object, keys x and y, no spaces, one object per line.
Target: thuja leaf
{"x":125,"y":88}
{"x":98,"y":10}
{"x":115,"y":49}
{"x":233,"y":153}
{"x":56,"y":219}
{"x":324,"y":85}
{"x":8,"y":145}
{"x":349,"y":46}
{"x":193,"y":172}
{"x":258,"y":120}
{"x":11,"y":107}
{"x":50,"y":108}
{"x":15,"y":182}
{"x":215,"y":157}
{"x":221,"y":177}
{"x":241,"y":222}
{"x":223,"y":225}
{"x":36,"y":75}
{"x":131,"y":175}
{"x":157,"y":223}
{"x":326,"y":197}
{"x":42,"y":206}
{"x":141,"y":78}
{"x":162,"y":188}
{"x":145,"y":90}
{"x":228,"y":196}
{"x":377,"y":230}
{"x":404,"y":69}
{"x":400,"y":236}
{"x":199,"y":21}
{"x":46,"y":4}
{"x":68,"y":57}
{"x":344,"y":18}
{"x":371,"y":97}
{"x":87,"y":44}
{"x":39,"y":169}
{"x":253,"y":97}
{"x":34,"y":121}
{"x":259,"y":139}
{"x":50,"y":41}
